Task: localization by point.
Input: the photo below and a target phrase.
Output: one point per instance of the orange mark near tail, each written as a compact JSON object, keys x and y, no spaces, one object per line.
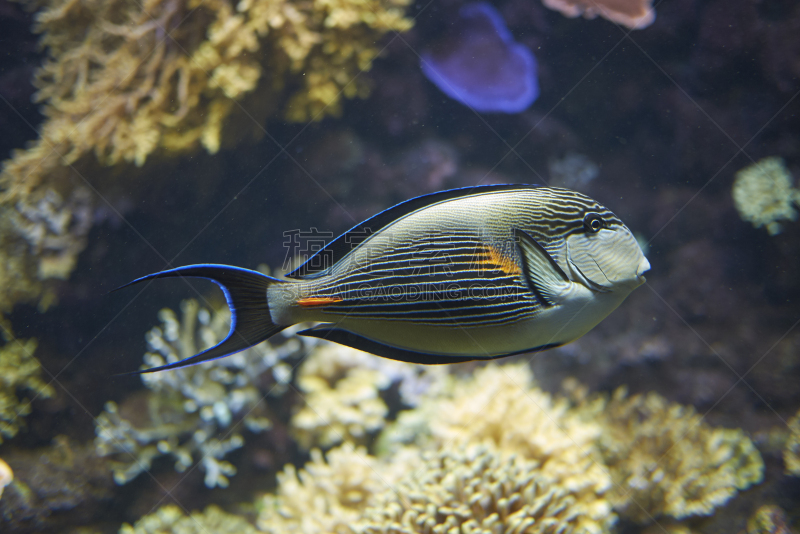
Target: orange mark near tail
{"x":492,"y":259}
{"x":317,"y":301}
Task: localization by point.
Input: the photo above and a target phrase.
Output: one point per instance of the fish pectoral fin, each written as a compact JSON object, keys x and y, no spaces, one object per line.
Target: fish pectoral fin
{"x":345,"y":337}
{"x":545,"y":278}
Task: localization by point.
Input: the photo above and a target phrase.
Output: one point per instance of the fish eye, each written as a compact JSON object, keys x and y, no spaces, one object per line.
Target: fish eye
{"x":592,"y":222}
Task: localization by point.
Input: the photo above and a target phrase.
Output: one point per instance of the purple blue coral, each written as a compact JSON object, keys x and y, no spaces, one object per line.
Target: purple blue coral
{"x":479,"y":64}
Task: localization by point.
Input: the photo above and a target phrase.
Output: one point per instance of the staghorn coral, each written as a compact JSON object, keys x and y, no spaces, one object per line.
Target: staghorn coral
{"x":764,"y":195}
{"x":342,"y":389}
{"x":666,"y":461}
{"x":791,"y":451}
{"x":19,"y":370}
{"x":170,"y":519}
{"x":193,"y":413}
{"x":634,"y":14}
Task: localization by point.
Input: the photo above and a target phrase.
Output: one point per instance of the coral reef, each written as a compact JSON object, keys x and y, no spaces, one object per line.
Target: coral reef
{"x":470,"y":488}
{"x":764,"y":194}
{"x":19,"y":370}
{"x":170,"y":519}
{"x":791,"y":451}
{"x":6,"y":476}
{"x":478,"y":489}
{"x":478,"y":410}
{"x":769,"y":519}
{"x":123,"y":79}
{"x":328,"y":494}
{"x":648,"y":456}
{"x":634,"y":14}
{"x":59,"y":485}
{"x":193,"y":413}
{"x":342,"y":389}
{"x":666,"y":461}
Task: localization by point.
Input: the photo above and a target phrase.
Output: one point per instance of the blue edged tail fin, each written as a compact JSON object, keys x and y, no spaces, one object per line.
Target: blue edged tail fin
{"x":246,"y":294}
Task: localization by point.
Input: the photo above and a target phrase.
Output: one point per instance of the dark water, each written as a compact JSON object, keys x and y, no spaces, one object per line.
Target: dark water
{"x":662,"y":118}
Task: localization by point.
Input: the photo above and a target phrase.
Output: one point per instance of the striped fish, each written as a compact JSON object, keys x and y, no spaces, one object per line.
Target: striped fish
{"x":467,"y":274}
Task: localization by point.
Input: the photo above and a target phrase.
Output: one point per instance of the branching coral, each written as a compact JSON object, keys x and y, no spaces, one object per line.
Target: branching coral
{"x":764,"y":194}
{"x":791,"y":452}
{"x":666,"y":461}
{"x":634,"y":14}
{"x":193,"y":413}
{"x":124,"y":78}
{"x":19,"y":370}
{"x":170,"y":519}
{"x":342,"y":389}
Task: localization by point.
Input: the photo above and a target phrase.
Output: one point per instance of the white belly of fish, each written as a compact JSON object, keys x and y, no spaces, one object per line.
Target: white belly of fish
{"x":577,"y":311}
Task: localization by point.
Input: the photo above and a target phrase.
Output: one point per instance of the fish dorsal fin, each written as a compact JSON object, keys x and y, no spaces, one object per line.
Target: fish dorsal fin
{"x":339,"y":247}
{"x":545,"y":277}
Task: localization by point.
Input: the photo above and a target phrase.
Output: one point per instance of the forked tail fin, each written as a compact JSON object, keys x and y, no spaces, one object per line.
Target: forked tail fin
{"x":246,"y":294}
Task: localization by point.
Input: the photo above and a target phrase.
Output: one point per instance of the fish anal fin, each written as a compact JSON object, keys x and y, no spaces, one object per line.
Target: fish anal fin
{"x":330,"y":332}
{"x":350,"y":339}
{"x":546,"y":279}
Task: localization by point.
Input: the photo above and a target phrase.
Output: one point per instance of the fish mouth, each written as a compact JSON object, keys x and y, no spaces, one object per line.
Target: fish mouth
{"x":643,"y":267}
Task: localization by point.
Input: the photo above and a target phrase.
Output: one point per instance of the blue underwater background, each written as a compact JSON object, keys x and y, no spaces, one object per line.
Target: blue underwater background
{"x":657,"y":123}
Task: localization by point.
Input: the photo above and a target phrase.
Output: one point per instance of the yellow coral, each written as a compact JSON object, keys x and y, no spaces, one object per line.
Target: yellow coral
{"x":479,"y":489}
{"x":665,"y":460}
{"x":769,"y":519}
{"x":466,"y":489}
{"x":499,"y":405}
{"x":764,"y":195}
{"x":170,"y":519}
{"x":328,"y":494}
{"x":123,"y":79}
{"x":19,"y":369}
{"x":791,"y":452}
{"x":342,"y":401}
{"x":652,"y":457}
